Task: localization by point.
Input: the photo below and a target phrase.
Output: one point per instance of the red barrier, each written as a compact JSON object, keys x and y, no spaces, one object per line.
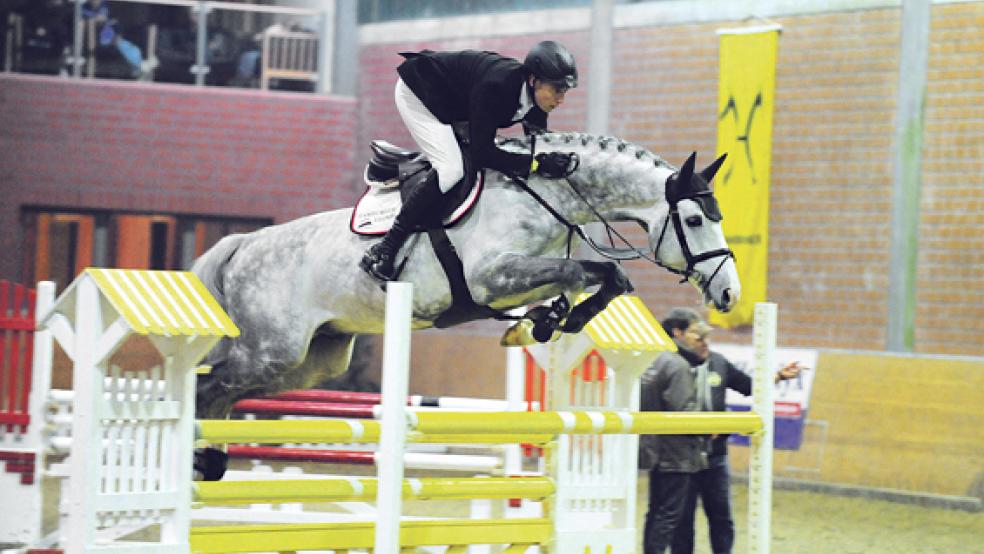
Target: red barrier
{"x":294,"y":407}
{"x":301,"y":455}
{"x":16,"y":349}
{"x":339,"y":396}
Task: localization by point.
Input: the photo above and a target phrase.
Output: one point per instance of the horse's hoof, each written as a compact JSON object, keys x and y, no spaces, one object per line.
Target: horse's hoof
{"x":543,"y":333}
{"x":574,"y":324}
{"x":210,"y":464}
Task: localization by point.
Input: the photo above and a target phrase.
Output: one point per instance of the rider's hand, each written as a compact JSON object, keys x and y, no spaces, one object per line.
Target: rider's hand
{"x":553,"y":165}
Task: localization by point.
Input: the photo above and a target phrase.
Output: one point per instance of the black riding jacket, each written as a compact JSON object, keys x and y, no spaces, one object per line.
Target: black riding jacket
{"x":481,"y":88}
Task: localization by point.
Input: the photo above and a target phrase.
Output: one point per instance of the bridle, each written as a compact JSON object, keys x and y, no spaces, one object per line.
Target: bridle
{"x":692,"y":260}
{"x":630,"y":252}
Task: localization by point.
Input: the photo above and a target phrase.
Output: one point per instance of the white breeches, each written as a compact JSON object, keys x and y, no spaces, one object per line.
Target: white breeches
{"x":435,"y":139}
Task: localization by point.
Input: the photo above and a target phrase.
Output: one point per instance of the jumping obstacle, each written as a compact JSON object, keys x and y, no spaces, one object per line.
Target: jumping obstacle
{"x":591,"y":508}
{"x":51,"y":421}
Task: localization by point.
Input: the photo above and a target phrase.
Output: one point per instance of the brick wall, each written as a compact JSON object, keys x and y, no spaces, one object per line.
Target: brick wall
{"x":950,"y":306}
{"x":831,"y":161}
{"x":168,"y":149}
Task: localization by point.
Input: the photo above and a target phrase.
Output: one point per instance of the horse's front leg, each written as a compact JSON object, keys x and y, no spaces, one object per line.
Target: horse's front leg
{"x":614,"y":282}
{"x":519,"y":279}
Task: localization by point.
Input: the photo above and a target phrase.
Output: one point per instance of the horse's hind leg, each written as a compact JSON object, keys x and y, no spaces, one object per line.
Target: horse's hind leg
{"x":245,"y":373}
{"x":328,"y":356}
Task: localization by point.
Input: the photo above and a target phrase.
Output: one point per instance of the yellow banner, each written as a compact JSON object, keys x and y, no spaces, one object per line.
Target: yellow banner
{"x":745,"y":101}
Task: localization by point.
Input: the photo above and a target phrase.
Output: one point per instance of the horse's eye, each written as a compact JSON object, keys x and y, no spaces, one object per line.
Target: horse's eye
{"x":694,"y":221}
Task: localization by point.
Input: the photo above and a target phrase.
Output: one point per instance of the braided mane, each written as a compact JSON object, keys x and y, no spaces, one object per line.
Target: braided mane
{"x":585,"y":140}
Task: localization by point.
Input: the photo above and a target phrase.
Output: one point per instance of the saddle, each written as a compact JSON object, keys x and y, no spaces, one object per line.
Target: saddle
{"x":390,"y":174}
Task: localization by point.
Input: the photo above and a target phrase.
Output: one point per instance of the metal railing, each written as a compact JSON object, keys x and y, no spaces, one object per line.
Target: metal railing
{"x":288,"y":55}
{"x":262,"y":45}
{"x":13,"y":37}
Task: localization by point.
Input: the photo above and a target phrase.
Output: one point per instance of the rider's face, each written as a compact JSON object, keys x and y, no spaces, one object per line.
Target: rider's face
{"x":547,"y":95}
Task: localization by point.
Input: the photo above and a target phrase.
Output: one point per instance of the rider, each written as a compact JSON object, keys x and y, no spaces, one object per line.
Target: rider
{"x":489,"y":92}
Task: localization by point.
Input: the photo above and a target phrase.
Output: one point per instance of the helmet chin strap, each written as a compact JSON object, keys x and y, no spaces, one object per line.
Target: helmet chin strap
{"x":531,"y":89}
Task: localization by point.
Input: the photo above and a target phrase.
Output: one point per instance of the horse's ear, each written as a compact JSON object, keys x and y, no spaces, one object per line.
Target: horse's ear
{"x":687,"y":171}
{"x":708,"y":172}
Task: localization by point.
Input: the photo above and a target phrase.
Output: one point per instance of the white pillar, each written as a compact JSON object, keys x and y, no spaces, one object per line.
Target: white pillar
{"x":515,"y":389}
{"x":760,"y":463}
{"x":89,"y":371}
{"x":393,"y":432}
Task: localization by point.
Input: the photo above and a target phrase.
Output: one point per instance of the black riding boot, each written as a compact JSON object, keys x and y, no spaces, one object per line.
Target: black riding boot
{"x":421,"y":203}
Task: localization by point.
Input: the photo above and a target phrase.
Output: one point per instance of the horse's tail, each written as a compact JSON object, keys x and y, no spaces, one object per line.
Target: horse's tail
{"x":209,"y":266}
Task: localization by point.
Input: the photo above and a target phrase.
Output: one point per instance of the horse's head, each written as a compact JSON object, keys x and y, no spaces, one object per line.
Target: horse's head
{"x":686,"y":236}
{"x":614,"y":180}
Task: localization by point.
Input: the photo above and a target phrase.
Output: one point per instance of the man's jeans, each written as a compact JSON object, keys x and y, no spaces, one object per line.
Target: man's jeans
{"x":713,"y":485}
{"x":668,"y":495}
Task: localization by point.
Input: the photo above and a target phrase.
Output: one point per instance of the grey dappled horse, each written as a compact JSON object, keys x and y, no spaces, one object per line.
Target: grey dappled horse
{"x":299,"y":298}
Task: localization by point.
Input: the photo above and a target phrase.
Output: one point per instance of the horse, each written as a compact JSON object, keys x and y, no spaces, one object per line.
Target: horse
{"x":299,"y":297}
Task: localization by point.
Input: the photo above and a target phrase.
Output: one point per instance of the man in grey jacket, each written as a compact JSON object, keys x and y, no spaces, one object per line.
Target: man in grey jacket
{"x":670,"y":385}
{"x":713,"y":374}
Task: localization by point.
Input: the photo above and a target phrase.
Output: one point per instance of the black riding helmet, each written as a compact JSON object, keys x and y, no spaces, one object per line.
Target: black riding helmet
{"x":551,"y":62}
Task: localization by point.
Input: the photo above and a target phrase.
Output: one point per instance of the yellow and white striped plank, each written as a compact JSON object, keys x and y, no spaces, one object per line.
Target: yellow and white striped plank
{"x":167,"y":303}
{"x":587,"y":423}
{"x":481,"y":427}
{"x":364,"y":489}
{"x":626,"y":324}
{"x":229,"y":431}
{"x":341,"y":536}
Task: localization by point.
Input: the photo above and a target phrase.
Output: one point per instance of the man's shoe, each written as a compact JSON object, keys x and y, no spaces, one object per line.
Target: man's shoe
{"x":378,"y":262}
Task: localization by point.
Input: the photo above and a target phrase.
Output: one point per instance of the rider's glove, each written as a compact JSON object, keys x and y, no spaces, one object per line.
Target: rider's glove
{"x":553,"y":165}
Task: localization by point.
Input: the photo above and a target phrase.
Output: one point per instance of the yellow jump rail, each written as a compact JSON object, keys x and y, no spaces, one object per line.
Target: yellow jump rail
{"x":522,"y":534}
{"x":364,"y":490}
{"x":587,"y":423}
{"x":225,"y":431}
{"x":484,"y":428}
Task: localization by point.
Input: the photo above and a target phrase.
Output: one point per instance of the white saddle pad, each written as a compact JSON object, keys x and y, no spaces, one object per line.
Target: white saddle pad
{"x":375,"y":211}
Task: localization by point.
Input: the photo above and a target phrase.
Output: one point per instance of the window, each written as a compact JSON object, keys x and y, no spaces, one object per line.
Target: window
{"x":62,"y":243}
